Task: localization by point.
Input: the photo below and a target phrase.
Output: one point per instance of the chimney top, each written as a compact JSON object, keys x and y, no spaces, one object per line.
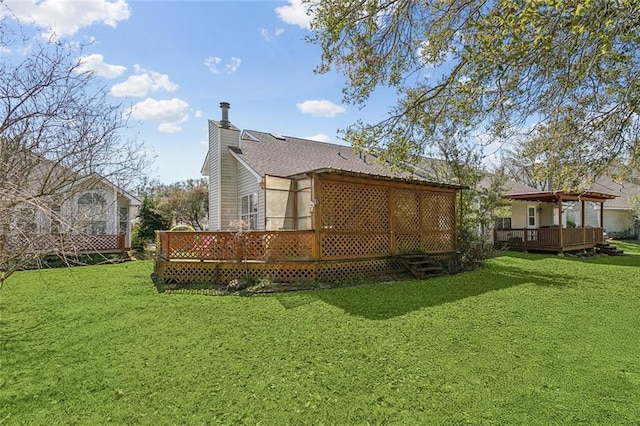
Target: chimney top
{"x":224,"y":106}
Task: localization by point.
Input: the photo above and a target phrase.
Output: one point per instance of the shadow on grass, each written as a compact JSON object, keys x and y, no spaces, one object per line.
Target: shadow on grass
{"x":385,"y":301}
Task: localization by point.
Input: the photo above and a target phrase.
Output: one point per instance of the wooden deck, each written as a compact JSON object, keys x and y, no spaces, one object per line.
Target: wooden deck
{"x":284,"y":256}
{"x":549,"y":239}
{"x":344,"y":226}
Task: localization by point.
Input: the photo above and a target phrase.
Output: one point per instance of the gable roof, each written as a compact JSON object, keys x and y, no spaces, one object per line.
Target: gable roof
{"x":95,"y":178}
{"x":277,"y":155}
{"x":623,"y":190}
{"x":617,"y":194}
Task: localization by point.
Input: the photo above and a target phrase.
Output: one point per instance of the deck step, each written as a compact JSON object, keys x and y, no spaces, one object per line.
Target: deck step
{"x":609,"y":249}
{"x":422,"y":266}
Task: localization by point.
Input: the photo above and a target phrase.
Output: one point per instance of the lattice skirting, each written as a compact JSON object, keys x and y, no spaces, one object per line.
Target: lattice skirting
{"x":223,"y":272}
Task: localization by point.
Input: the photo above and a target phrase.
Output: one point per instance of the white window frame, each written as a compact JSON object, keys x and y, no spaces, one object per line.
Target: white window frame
{"x":534,"y":217}
{"x":249,"y":210}
{"x":92,"y":211}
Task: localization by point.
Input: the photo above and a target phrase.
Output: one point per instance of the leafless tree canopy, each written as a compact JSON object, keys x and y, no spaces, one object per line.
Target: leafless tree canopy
{"x":57,"y":127}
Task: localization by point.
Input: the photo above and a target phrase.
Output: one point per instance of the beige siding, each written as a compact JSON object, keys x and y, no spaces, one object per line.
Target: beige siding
{"x":518,"y":214}
{"x":248,"y":184}
{"x":618,"y":221}
{"x":229,"y":179}
{"x":214,"y":178}
{"x":546,"y":215}
{"x":223,"y":177}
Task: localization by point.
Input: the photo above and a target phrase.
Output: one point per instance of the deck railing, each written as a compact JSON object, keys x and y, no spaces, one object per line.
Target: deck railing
{"x":549,"y":238}
{"x":296,"y":245}
{"x":74,"y":243}
{"x":236,"y":246}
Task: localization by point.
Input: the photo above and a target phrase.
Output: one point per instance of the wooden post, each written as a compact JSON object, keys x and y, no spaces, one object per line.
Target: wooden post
{"x":561,"y":240}
{"x":602,"y":221}
{"x":316,"y":217}
{"x":121,"y":242}
{"x":584,"y":232}
{"x":392,"y":222}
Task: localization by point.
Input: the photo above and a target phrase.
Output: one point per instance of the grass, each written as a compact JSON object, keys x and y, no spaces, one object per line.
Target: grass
{"x":526,"y":339}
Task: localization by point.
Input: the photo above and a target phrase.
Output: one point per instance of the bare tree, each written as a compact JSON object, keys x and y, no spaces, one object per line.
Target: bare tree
{"x":57,"y":129}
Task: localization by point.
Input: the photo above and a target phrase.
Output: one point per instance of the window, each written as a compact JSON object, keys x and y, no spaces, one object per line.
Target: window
{"x":25,"y":220}
{"x":123,"y":219}
{"x":531,"y":217}
{"x":56,"y":225}
{"x":503,"y":223}
{"x":92,"y":212}
{"x":249,"y":210}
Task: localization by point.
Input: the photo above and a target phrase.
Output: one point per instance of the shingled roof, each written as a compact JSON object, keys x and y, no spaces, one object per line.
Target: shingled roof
{"x":276,"y":155}
{"x":623,"y":190}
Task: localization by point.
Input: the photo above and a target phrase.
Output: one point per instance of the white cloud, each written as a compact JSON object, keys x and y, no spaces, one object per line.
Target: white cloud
{"x":143,"y":83}
{"x":216,"y":66}
{"x":320,"y":137}
{"x":198,"y":114}
{"x":171,"y":113}
{"x":95,"y":63}
{"x":321,"y":108}
{"x":296,"y":13}
{"x":59,"y":18}
{"x":268,"y":36}
{"x":5,"y":50}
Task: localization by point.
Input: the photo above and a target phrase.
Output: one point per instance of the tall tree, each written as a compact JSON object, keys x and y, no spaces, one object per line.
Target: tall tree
{"x":56,"y":128}
{"x":185,"y":202}
{"x":151,"y":220}
{"x":565,"y":69}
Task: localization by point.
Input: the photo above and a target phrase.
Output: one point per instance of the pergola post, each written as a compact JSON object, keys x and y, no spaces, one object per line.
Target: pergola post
{"x":584,"y":231}
{"x":561,"y":230}
{"x":601,"y":238}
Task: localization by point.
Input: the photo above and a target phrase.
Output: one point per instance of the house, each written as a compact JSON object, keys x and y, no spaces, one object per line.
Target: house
{"x":618,"y":215}
{"x":546,"y":220}
{"x":296,"y":209}
{"x":85,"y":215}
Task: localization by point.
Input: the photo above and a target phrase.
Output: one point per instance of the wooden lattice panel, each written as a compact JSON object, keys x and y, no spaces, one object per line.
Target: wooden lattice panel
{"x":74,"y":243}
{"x":219,"y":246}
{"x":222,"y":273}
{"x":350,"y":207}
{"x":344,"y":246}
{"x":438,"y":211}
{"x":437,"y":242}
{"x":438,"y":222}
{"x":201,"y":245}
{"x":276,"y":272}
{"x":407,"y":211}
{"x":288,"y":246}
{"x":408,"y":243}
{"x":344,"y":271}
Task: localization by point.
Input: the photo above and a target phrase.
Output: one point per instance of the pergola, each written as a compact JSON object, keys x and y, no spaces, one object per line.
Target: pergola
{"x":557,"y":239}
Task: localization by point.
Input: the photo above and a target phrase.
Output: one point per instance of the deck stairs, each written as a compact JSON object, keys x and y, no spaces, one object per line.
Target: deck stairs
{"x":422,"y":266}
{"x":611,"y":250}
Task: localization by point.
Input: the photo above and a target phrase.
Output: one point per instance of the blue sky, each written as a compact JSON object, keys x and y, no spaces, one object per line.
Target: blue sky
{"x":173,"y":62}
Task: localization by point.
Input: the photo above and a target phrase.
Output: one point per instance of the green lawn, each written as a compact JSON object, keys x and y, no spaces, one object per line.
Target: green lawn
{"x":526,"y":339}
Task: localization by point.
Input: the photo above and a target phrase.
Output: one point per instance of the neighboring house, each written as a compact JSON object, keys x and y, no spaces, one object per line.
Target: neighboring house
{"x":315,"y":210}
{"x":556,"y":221}
{"x":619,"y":219}
{"x":90,"y":215}
{"x":99,"y":207}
